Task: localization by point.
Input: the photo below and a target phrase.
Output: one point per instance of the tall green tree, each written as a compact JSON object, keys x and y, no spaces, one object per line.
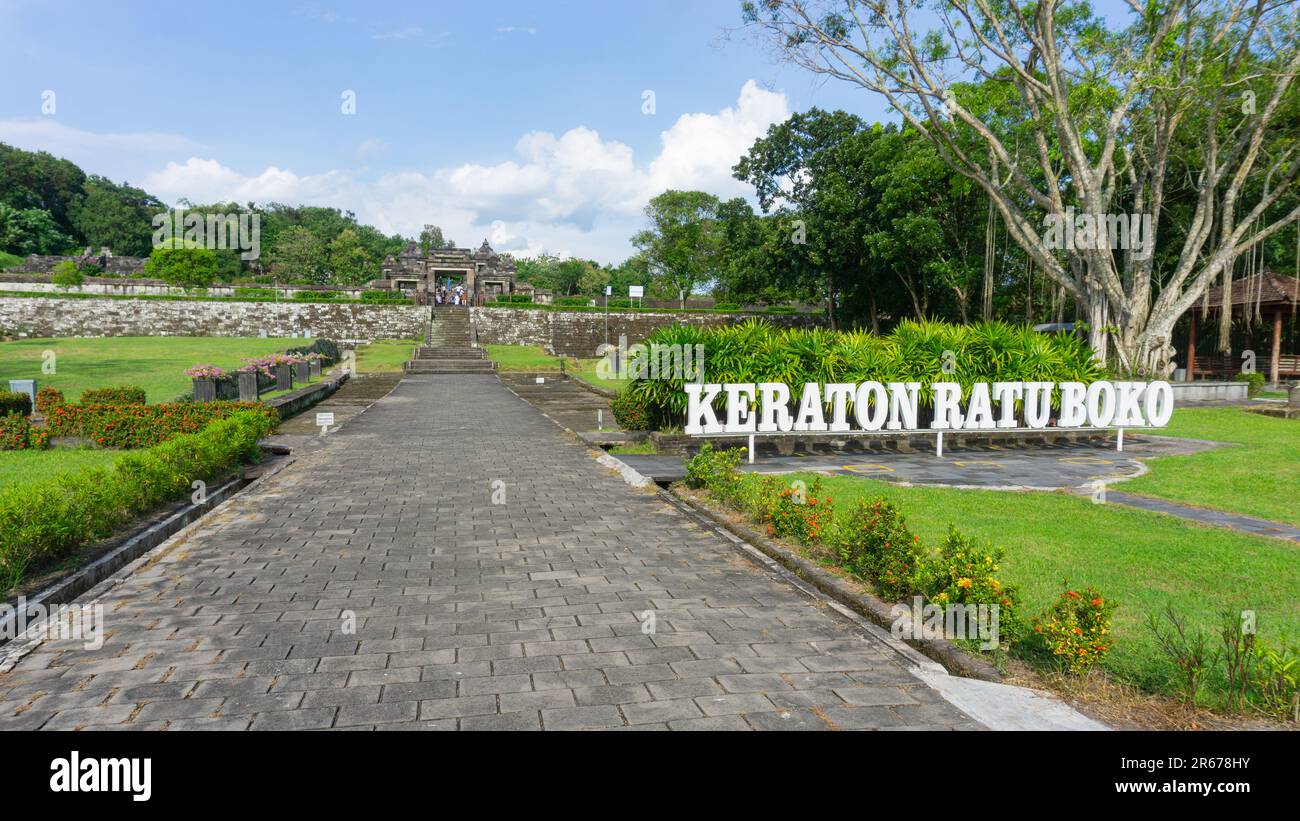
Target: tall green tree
{"x":118,"y":217}
{"x":349,"y":261}
{"x":1102,"y":117}
{"x":299,"y":256}
{"x":681,"y":248}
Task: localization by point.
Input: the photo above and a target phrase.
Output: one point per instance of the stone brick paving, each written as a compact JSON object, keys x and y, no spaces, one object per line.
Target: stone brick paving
{"x":529,"y":614}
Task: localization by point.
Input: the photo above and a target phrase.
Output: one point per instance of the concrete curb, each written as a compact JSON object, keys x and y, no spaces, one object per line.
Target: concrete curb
{"x":875,"y":609}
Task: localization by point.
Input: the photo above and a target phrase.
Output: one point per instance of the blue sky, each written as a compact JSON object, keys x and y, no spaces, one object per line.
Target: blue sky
{"x":519,"y":121}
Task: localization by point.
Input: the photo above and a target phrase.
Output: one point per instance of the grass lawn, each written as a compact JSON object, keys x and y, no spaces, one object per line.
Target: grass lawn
{"x":8,"y":260}
{"x":1142,"y":560}
{"x":155,"y":363}
{"x":19,"y":466}
{"x":522,"y":358}
{"x":533,"y":358}
{"x":1259,"y":477}
{"x":384,"y":355}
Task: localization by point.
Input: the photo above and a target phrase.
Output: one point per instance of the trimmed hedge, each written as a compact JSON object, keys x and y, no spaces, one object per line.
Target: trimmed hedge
{"x":15,"y":402}
{"x":43,"y":521}
{"x":142,"y":426}
{"x":327,"y":348}
{"x":123,"y":395}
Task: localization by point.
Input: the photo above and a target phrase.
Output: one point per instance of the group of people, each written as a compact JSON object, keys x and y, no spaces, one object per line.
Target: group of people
{"x":455,"y":295}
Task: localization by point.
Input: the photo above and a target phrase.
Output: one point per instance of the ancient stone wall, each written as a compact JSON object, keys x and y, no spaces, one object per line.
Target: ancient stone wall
{"x":581,"y":333}
{"x":39,"y":316}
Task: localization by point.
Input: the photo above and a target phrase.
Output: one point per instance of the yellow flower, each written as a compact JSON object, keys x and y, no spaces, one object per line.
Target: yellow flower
{"x":964,"y":583}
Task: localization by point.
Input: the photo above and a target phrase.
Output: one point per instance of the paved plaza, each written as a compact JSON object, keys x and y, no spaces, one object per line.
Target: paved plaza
{"x":452,"y":559}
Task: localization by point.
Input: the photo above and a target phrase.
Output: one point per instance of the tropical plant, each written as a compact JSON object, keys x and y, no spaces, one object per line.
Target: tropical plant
{"x":926,"y":352}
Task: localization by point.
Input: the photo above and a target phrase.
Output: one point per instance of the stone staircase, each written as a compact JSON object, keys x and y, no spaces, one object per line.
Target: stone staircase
{"x":450,"y":348}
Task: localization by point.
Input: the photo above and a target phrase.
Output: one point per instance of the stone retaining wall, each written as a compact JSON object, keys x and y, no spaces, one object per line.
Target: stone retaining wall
{"x":344,"y":322}
{"x":581,"y":333}
{"x":143,"y":286}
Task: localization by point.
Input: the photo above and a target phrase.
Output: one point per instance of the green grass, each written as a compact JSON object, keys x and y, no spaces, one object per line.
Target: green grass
{"x":522,"y":358}
{"x":646,"y":448}
{"x":587,"y":372}
{"x":1141,"y":560}
{"x":156,"y":364}
{"x":533,"y":358}
{"x":20,"y":466}
{"x":1259,"y":476}
{"x":8,"y":260}
{"x":384,"y":355}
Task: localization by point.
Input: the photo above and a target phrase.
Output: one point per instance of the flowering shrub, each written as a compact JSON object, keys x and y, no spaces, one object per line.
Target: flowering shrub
{"x":47,"y":398}
{"x":874,"y":543}
{"x":631,"y":411}
{"x":123,"y":395}
{"x":1076,"y":629}
{"x":16,"y":433}
{"x":965,"y":573}
{"x":205,"y":372}
{"x":15,"y":402}
{"x":799,"y":514}
{"x":141,"y":426}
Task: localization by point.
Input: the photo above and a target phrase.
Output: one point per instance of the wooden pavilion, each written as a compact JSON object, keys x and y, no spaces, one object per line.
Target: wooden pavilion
{"x":1277,"y":298}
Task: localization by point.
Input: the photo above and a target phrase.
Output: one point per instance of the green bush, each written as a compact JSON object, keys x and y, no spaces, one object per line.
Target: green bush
{"x":67,"y":275}
{"x":122,"y":395}
{"x":757,"y":351}
{"x":15,"y":402}
{"x":797,"y":513}
{"x":631,"y":411}
{"x":573,"y":301}
{"x":43,"y":521}
{"x":726,"y":306}
{"x":255,"y":293}
{"x":315,"y":295}
{"x":327,"y":348}
{"x":1256,"y":381}
{"x":874,"y":543}
{"x":1076,"y":629}
{"x":384,"y":296}
{"x":187,"y":267}
{"x":966,"y":573}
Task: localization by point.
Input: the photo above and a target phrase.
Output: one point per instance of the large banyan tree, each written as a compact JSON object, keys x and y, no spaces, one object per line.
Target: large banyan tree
{"x":1137,"y":163}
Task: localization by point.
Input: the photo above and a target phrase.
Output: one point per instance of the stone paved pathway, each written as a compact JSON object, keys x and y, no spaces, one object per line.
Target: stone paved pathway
{"x":469,"y":615}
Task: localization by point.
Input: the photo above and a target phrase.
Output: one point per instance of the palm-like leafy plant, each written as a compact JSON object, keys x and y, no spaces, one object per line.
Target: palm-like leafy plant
{"x":925,"y":352}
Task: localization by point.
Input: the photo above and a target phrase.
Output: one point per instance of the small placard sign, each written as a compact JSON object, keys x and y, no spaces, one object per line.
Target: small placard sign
{"x":324,"y":420}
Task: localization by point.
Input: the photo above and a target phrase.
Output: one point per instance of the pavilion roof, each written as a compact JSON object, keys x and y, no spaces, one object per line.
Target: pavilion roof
{"x":1268,"y":288}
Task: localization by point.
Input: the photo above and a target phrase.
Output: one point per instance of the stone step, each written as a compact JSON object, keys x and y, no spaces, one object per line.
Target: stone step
{"x":450,"y":353}
{"x":452,"y":366}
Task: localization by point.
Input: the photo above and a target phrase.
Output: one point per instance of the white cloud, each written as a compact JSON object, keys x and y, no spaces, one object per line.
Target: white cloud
{"x":85,"y":147}
{"x":407,"y":33}
{"x":576,"y":193}
{"x":516,"y":30}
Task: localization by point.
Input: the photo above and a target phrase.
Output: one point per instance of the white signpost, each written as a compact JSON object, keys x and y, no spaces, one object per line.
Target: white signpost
{"x":764,"y":408}
{"x":323,"y":421}
{"x":636,"y":292}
